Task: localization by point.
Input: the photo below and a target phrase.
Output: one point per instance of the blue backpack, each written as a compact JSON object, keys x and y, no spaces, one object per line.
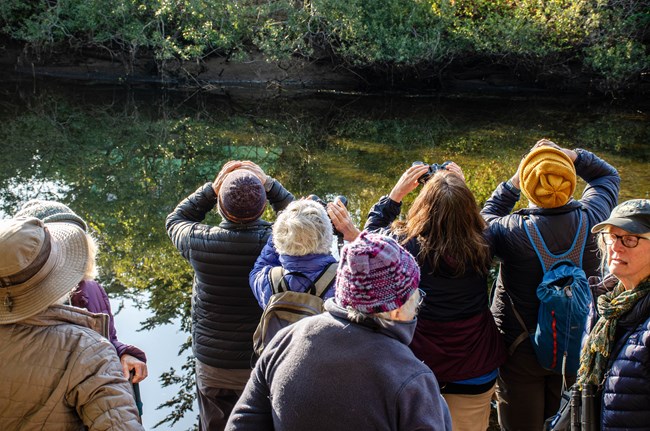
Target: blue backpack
{"x":564,"y":297}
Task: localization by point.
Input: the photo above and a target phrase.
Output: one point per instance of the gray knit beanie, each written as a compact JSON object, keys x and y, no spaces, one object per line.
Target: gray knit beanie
{"x":50,"y":211}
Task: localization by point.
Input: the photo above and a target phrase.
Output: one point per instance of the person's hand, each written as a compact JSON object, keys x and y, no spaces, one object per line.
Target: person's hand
{"x":341,"y":220}
{"x":407,"y":182}
{"x":132,"y":363}
{"x":456,"y":170}
{"x":223,"y":173}
{"x":254,"y":168}
{"x":548,"y":143}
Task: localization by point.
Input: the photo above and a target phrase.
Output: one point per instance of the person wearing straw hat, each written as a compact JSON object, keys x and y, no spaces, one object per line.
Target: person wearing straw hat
{"x":350,"y":368}
{"x":616,"y":353}
{"x":57,"y":371}
{"x":527,"y":393}
{"x":89,"y":294}
{"x":224,"y":310}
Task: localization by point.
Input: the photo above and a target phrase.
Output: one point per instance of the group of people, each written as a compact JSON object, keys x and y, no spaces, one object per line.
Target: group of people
{"x":412,"y":336}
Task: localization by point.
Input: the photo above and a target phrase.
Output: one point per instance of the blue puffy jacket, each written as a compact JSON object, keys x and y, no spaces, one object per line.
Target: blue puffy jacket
{"x":310,"y":265}
{"x":625,"y":399}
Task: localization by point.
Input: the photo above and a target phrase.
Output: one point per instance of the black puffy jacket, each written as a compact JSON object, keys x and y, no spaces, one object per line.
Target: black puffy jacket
{"x":520,"y":272}
{"x":224,"y":310}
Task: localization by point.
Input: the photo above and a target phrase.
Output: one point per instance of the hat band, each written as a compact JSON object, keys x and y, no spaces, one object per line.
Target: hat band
{"x":40,"y":262}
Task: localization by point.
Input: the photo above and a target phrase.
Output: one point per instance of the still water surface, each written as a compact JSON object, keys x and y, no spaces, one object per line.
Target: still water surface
{"x":123,"y":159}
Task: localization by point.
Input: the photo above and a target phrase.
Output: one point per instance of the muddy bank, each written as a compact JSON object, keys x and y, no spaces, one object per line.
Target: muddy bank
{"x":259,"y":74}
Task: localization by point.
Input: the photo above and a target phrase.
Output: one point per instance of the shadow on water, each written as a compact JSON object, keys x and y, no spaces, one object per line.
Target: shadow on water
{"x":124,"y":158}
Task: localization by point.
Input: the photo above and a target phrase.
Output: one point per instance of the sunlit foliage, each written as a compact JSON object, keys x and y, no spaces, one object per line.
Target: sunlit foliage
{"x":563,"y":38}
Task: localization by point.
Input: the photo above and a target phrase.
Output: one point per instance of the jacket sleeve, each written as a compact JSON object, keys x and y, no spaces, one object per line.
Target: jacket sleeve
{"x":120,"y":347}
{"x":253,"y":410}
{"x":259,"y":275}
{"x":99,"y":392}
{"x":382,"y":214}
{"x":190,"y":212}
{"x":420,"y":405}
{"x":278,"y":196}
{"x":92,"y":296}
{"x":501,"y":203}
{"x":603,"y":184}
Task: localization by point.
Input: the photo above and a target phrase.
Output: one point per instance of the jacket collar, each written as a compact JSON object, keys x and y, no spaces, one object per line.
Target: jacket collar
{"x":401,"y":331}
{"x":572,"y":205}
{"x":64,"y":314}
{"x":227,"y":224}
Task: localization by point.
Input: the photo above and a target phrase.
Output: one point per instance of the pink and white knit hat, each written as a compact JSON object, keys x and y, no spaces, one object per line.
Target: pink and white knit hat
{"x":375,"y":274}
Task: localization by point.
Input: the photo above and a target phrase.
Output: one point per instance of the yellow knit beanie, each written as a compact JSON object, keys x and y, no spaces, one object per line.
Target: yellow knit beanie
{"x":547,"y":177}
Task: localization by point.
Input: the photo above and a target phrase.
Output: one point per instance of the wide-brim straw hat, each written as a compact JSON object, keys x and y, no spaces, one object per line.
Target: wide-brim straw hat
{"x":38,"y":265}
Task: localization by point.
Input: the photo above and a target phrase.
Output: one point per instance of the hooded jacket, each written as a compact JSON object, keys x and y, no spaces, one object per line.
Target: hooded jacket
{"x":520,"y":270}
{"x":328,"y":373}
{"x":224,"y":310}
{"x":310,"y":265}
{"x":58,"y":373}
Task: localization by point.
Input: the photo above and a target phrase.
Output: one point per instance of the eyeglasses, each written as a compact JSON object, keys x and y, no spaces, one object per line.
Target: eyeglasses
{"x":629,"y":241}
{"x":423,"y":295}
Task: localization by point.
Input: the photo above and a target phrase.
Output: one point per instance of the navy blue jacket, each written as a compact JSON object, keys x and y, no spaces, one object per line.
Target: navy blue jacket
{"x":625,"y":399}
{"x":520,"y":272}
{"x":311,"y":265}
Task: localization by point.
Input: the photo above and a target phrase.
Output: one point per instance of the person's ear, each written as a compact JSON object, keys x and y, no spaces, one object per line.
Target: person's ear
{"x":396,"y":314}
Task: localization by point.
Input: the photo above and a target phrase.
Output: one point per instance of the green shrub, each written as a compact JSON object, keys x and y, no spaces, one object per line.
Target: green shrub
{"x":608,"y":38}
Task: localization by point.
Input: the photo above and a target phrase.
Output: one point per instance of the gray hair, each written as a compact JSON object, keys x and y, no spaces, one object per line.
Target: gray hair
{"x":303,"y":228}
{"x":383,"y":318}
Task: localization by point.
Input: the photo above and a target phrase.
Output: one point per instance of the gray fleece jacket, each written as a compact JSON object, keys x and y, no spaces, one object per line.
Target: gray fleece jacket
{"x":327,"y":373}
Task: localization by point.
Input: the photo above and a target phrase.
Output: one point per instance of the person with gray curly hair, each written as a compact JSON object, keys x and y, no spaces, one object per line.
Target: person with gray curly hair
{"x":301,"y":244}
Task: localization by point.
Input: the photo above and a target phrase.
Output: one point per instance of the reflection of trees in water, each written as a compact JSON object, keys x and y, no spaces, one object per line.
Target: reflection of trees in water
{"x":123,"y":160}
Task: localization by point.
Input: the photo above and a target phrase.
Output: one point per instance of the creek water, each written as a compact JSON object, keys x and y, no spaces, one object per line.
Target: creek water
{"x":123,"y":158}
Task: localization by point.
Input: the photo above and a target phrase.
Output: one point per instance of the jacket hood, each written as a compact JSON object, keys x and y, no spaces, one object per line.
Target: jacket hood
{"x":306,"y":263}
{"x":399,"y":330}
{"x":65,"y":314}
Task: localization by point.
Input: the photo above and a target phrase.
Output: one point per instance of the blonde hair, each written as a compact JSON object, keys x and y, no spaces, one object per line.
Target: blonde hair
{"x":303,"y":228}
{"x":91,"y":265}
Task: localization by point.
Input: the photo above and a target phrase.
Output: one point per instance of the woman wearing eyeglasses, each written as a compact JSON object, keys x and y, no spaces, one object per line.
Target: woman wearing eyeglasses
{"x":615,"y":359}
{"x":456,"y":335}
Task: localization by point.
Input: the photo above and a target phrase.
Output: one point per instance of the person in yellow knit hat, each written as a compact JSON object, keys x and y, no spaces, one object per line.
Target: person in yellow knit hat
{"x":547,"y":176}
{"x":527,"y":393}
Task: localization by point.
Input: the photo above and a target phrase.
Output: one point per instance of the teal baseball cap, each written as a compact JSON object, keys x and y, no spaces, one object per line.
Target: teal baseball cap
{"x":632,"y":216}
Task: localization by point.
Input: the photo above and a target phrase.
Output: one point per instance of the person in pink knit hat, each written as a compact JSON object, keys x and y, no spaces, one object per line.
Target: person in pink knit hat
{"x":350,"y":368}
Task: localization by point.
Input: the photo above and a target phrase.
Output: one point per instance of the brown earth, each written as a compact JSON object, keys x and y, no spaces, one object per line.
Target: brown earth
{"x":262,"y":75}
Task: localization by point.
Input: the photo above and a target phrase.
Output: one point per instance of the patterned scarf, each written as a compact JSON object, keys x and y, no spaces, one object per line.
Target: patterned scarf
{"x":599,"y":343}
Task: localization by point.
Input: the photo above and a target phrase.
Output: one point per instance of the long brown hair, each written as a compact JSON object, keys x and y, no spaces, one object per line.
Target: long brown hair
{"x":445,"y":220}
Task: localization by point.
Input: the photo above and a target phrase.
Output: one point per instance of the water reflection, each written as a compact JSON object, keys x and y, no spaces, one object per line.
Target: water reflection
{"x":123,"y":159}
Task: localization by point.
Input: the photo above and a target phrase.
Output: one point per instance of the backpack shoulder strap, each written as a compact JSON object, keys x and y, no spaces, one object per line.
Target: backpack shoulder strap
{"x":277,"y":281}
{"x":325,"y":279}
{"x":277,"y":278}
{"x":548,"y":259}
